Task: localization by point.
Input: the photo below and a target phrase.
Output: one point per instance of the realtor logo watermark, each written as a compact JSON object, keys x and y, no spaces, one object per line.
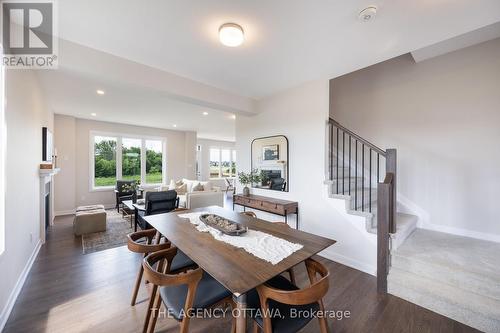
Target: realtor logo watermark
{"x":28,"y":34}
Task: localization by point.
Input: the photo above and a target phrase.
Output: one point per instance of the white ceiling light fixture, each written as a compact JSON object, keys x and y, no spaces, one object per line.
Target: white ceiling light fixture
{"x":367,"y":14}
{"x":174,"y":125}
{"x":100,"y":92}
{"x":93,"y":114}
{"x":205,"y":113}
{"x":231,"y":34}
{"x":233,"y":116}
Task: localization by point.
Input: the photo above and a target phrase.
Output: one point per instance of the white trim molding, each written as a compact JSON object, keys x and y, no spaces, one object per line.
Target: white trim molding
{"x":4,"y":316}
{"x":360,"y":266}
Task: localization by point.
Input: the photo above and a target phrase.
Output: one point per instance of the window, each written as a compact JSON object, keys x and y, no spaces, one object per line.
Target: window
{"x":141,"y":159}
{"x":214,"y":163}
{"x":154,"y":161}
{"x":131,"y":159}
{"x":104,"y":161}
{"x":222,"y":163}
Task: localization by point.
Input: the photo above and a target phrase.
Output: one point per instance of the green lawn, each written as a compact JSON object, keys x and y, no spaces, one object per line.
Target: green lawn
{"x":151,"y":178}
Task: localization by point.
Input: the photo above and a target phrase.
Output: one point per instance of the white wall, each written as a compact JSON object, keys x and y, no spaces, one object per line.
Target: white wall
{"x":301,"y":114}
{"x":181,"y":147}
{"x":65,"y":182}
{"x":25,"y":116}
{"x":443,"y":116}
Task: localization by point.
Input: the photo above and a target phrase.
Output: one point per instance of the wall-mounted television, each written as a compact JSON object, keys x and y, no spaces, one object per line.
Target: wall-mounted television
{"x":47,"y":145}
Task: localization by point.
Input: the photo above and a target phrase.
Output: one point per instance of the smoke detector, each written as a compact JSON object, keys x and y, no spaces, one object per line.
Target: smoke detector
{"x":367,"y":14}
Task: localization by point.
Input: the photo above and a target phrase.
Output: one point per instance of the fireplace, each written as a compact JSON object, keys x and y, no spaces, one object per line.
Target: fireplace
{"x":47,"y":204}
{"x":269,"y":175}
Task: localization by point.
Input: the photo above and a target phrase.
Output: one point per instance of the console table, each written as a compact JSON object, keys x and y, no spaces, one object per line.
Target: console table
{"x":270,"y":205}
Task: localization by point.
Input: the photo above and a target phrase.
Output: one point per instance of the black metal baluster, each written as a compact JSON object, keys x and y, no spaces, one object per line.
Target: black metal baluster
{"x":356,"y":177}
{"x":331,"y":151}
{"x":363,"y":177}
{"x":378,"y":166}
{"x":343,"y":162}
{"x":350,"y":164}
{"x":370,"y":187}
{"x":337,"y":157}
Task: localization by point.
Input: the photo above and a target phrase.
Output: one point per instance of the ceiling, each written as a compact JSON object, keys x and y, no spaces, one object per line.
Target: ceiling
{"x":287,"y":42}
{"x":75,"y":94}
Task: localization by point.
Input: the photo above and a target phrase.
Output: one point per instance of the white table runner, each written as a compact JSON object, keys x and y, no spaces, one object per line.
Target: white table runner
{"x":258,"y":243}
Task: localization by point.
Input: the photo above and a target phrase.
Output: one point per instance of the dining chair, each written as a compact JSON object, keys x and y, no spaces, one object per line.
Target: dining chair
{"x":148,"y":241}
{"x":279,"y":294}
{"x":181,"y":293}
{"x":157,"y":203}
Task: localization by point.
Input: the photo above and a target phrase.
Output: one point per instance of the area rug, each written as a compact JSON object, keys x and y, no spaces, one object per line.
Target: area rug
{"x":115,"y":235}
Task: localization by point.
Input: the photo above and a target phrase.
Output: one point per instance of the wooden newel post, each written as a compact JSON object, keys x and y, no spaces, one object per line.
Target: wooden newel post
{"x":384,"y":212}
{"x":391,"y":167}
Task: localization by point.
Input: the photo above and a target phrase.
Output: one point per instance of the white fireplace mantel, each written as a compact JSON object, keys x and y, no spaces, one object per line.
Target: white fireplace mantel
{"x":46,"y":176}
{"x":49,"y":172}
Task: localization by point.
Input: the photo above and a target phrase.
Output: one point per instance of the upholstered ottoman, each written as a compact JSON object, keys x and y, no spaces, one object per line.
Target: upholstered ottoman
{"x":90,"y":207}
{"x":89,"y":221}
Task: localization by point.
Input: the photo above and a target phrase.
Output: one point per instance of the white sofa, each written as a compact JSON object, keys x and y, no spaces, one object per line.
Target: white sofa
{"x":210,"y":196}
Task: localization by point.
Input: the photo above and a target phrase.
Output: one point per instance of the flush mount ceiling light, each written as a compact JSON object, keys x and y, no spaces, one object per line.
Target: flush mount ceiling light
{"x":93,"y":114}
{"x":205,"y":113}
{"x":233,"y":116}
{"x":231,"y":34}
{"x":100,"y":92}
{"x":174,"y":125}
{"x":367,"y":14}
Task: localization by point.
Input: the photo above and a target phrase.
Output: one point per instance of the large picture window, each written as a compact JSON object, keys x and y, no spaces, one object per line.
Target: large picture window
{"x":126,"y":157}
{"x":104,"y":161}
{"x":131,"y":159}
{"x":222,"y":163}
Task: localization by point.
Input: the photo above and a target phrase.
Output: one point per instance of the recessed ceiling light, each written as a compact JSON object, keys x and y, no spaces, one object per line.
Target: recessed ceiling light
{"x":93,"y":114}
{"x":231,"y":34}
{"x":205,"y":113}
{"x":367,"y":14}
{"x":100,"y":92}
{"x":174,"y":125}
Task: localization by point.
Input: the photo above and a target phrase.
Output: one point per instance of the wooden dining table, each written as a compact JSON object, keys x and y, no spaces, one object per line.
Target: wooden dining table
{"x":237,"y":270}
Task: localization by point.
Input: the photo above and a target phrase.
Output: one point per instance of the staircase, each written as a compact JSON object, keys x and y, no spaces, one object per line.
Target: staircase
{"x":458,"y":277}
{"x":356,"y":168}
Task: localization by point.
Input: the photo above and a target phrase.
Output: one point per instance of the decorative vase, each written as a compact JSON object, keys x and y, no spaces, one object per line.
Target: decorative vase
{"x":246,"y":190}
{"x":134,"y":197}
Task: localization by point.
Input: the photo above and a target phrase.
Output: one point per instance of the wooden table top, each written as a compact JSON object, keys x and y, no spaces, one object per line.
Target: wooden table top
{"x":236,"y":269}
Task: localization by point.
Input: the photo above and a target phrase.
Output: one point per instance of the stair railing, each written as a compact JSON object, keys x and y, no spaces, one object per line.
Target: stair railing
{"x":345,"y":143}
{"x":352,"y":159}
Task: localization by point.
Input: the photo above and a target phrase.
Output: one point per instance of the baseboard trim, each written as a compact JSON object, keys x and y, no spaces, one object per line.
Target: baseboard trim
{"x":461,"y":232}
{"x":360,"y":266}
{"x":64,"y":212}
{"x":4,"y":316}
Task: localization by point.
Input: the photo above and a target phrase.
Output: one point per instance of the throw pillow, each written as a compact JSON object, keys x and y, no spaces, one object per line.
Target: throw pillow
{"x":198,"y":188}
{"x":182,"y":189}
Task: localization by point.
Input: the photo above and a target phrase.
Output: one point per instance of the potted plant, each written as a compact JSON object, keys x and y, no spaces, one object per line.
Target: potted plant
{"x":248,"y":178}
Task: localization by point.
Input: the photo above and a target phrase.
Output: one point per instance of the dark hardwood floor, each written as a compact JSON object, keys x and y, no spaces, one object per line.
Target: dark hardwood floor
{"x":67,"y":291}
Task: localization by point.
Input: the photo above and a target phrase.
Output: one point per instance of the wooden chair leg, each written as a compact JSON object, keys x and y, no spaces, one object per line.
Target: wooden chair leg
{"x":150,"y":309}
{"x":137,"y":286}
{"x":292,"y":276}
{"x":256,"y":328}
{"x":323,"y":324}
{"x":155,"y":314}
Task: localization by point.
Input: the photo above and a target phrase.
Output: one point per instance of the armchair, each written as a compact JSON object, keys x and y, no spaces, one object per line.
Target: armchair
{"x":122,"y":193}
